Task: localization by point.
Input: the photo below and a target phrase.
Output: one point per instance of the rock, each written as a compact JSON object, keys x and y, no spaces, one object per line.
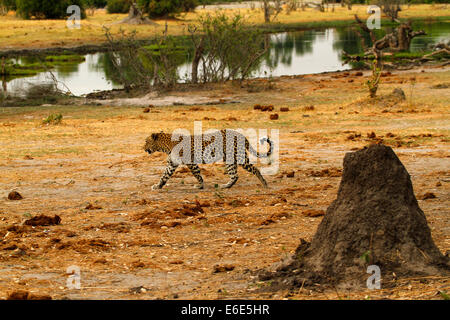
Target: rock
{"x":274,"y":116}
{"x":223,"y":268}
{"x":138,"y":290}
{"x":91,"y":206}
{"x":43,"y":220}
{"x":398,"y":93}
{"x":428,"y":195}
{"x":14,"y":195}
{"x":290,"y":174}
{"x":25,"y":295}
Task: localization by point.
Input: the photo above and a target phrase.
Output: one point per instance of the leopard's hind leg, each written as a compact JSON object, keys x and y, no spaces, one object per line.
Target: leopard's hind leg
{"x":170,"y":169}
{"x":252,"y":169}
{"x":196,"y":172}
{"x":232,"y":172}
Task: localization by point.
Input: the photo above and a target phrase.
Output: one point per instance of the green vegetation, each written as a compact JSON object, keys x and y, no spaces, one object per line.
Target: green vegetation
{"x":164,"y":8}
{"x":30,"y":67}
{"x":57,"y":60}
{"x":53,"y":119}
{"x":47,"y":9}
{"x":118,"y":6}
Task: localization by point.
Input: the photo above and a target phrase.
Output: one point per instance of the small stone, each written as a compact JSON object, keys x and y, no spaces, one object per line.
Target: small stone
{"x":14,"y":195}
{"x":223,"y":268}
{"x":428,"y":195}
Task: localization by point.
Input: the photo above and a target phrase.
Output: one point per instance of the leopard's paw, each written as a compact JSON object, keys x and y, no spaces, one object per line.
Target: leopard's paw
{"x":156,"y":187}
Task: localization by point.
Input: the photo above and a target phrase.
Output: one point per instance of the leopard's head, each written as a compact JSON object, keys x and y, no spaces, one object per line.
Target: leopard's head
{"x":154,"y":143}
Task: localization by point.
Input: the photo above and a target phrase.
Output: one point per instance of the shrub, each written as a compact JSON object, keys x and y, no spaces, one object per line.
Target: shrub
{"x":47,"y":9}
{"x":152,"y":65}
{"x":53,"y":119}
{"x":118,"y":6}
{"x":227,"y":48}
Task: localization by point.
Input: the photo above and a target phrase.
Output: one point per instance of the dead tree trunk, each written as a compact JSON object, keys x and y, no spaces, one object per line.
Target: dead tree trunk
{"x":135,"y":16}
{"x":400,"y":39}
{"x":266,"y":10}
{"x":199,"y":49}
{"x":270,"y":11}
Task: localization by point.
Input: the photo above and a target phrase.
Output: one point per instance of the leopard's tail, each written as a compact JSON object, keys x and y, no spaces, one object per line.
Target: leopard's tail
{"x":255,"y":153}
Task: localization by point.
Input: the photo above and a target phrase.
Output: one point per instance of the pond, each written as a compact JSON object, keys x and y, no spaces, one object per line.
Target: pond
{"x":291,"y":53}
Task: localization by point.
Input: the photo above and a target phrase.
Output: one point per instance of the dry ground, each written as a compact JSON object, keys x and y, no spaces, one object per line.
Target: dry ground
{"x":92,"y":172}
{"x":16,"y":33}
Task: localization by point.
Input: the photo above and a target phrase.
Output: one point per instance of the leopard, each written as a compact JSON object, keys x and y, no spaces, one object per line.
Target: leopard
{"x":228,"y":145}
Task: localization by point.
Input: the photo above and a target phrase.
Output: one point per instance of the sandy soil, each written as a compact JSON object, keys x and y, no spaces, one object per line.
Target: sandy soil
{"x":183,"y":243}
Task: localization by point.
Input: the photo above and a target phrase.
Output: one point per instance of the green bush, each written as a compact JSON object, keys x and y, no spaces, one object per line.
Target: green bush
{"x":164,"y":8}
{"x":53,"y":119}
{"x":47,"y":9}
{"x":118,"y":6}
{"x":95,"y":3}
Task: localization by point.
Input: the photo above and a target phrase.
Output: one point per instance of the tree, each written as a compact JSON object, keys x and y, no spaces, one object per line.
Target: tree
{"x":118,"y":6}
{"x":165,"y":8}
{"x":271,"y":11}
{"x":391,"y":8}
{"x":398,"y":40}
{"x":6,"y":6}
{"x":93,"y":4}
{"x":47,"y":9}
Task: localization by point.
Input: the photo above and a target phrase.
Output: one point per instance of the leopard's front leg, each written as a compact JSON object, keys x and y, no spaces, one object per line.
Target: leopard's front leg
{"x":170,"y":169}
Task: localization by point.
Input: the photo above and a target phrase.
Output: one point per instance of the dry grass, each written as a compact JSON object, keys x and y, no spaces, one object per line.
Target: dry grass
{"x":18,"y":33}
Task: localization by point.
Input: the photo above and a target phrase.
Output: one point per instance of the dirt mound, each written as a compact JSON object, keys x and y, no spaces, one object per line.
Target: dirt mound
{"x":375,"y":220}
{"x":394,"y":99}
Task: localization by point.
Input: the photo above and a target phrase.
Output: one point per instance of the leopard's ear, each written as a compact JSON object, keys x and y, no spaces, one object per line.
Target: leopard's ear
{"x":155,"y":136}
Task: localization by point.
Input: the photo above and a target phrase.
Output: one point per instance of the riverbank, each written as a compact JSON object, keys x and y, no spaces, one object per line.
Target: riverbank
{"x":19,"y":36}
